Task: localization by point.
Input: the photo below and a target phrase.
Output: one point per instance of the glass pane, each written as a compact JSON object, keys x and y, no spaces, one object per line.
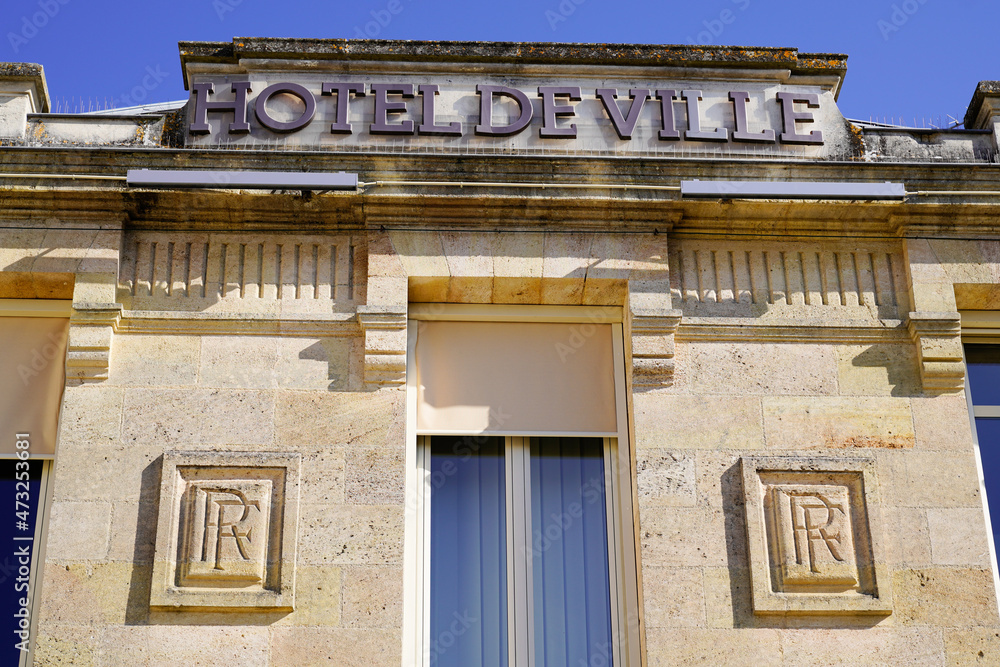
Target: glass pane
{"x":983,"y":362}
{"x":468,"y":553}
{"x":17,"y":533}
{"x":572,"y":594}
{"x":988,"y":431}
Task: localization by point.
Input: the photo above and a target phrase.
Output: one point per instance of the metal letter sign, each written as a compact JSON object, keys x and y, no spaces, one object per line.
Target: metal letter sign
{"x":563,"y":113}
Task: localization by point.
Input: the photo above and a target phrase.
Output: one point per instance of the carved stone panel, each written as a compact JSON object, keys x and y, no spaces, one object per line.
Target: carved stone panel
{"x":227,"y":531}
{"x":814,"y":536}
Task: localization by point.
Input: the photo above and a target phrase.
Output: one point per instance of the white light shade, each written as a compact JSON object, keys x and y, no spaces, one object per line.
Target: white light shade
{"x":515,"y":378}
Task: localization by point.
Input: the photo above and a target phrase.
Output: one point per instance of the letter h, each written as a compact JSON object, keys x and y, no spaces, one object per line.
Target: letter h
{"x":202,"y":106}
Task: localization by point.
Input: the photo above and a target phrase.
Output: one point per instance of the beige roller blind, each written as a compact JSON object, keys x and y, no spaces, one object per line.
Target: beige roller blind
{"x":515,"y":378}
{"x":32,"y":363}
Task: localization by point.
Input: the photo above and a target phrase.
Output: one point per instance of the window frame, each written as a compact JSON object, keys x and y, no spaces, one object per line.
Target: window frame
{"x":59,"y":308}
{"x":981,"y":327}
{"x":620,"y":493}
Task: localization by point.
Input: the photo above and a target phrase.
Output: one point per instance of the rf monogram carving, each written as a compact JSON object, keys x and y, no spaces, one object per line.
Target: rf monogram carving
{"x":228,"y":532}
{"x":815,"y":543}
{"x":814,"y":535}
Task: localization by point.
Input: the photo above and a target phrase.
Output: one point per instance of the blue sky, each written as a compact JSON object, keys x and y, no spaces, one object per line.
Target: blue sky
{"x":909,"y":59}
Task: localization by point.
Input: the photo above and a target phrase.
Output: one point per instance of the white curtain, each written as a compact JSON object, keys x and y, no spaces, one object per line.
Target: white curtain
{"x":571,"y":590}
{"x":468,"y":623}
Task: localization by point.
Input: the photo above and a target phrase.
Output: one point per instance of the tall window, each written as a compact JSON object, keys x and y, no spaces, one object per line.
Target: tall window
{"x":983,"y":365}
{"x":32,"y":365}
{"x":522,"y":521}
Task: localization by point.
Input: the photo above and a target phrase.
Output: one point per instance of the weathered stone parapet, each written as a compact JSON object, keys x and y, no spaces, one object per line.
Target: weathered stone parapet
{"x":984,"y":110}
{"x":938,"y":337}
{"x":385,"y":344}
{"x":22,"y":91}
{"x":653,"y":347}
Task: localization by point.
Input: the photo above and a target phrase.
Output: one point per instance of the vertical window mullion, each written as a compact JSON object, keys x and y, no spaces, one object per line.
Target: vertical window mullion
{"x":526,"y":553}
{"x":521,"y":613}
{"x":622,"y":523}
{"x":614,"y":550}
{"x":424,"y":557}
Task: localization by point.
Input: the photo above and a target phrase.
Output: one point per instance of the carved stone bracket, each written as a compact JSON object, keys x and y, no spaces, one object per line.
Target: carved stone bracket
{"x":91,"y":328}
{"x":653,"y":347}
{"x":938,"y":337}
{"x":385,"y":344}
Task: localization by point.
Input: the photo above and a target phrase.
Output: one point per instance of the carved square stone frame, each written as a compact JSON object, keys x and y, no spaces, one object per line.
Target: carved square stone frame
{"x":815,"y":536}
{"x":227,"y":531}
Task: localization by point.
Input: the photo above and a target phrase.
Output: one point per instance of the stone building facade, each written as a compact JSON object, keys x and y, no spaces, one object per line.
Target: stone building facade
{"x":677,"y":349}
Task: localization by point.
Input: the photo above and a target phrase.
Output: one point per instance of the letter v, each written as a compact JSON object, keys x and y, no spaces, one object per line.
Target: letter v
{"x":623,"y":126}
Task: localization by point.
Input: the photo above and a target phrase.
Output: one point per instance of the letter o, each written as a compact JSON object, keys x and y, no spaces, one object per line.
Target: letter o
{"x":374,"y":31}
{"x":447,"y":640}
{"x":44,"y":20}
{"x":552,"y":532}
{"x":139,"y":93}
{"x":910,"y":7}
{"x":22,"y":623}
{"x":260,"y":107}
{"x":23,"y":570}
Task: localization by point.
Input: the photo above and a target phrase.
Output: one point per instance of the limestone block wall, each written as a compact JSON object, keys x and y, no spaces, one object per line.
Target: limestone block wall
{"x":222,"y":393}
{"x":228,"y":344}
{"x":803,"y":400}
{"x":763,"y":371}
{"x":792,"y":349}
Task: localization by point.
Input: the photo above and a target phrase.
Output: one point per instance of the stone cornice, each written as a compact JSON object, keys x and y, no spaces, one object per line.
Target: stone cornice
{"x":514,"y":53}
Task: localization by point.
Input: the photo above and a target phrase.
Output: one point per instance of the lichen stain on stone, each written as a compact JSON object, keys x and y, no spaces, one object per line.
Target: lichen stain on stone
{"x":856,"y":137}
{"x":869,"y":442}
